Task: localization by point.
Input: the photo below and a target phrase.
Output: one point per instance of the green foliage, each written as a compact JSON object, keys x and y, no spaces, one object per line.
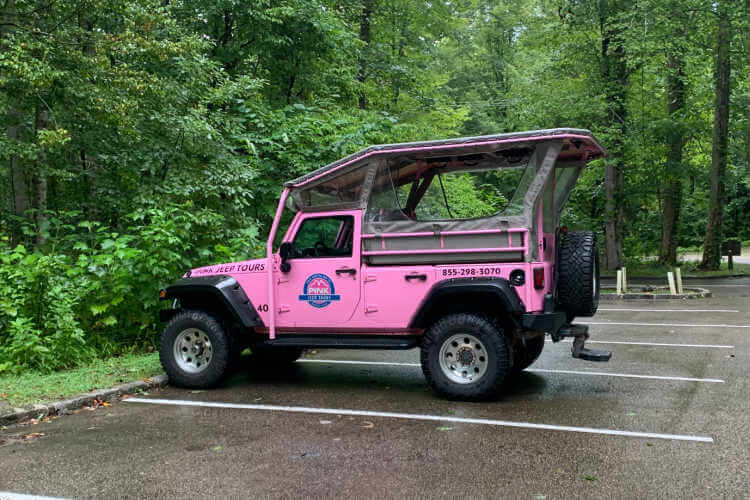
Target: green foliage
{"x":95,"y":291}
{"x":38,"y":325}
{"x":467,"y":196}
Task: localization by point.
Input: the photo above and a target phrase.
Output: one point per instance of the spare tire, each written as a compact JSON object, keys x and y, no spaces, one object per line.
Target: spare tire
{"x":578,"y":274}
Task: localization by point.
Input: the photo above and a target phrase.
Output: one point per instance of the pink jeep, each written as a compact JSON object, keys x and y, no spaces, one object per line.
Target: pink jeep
{"x":401,"y":246}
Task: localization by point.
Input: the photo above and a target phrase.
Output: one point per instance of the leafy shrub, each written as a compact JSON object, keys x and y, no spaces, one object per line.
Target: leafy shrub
{"x":38,"y":312}
{"x":92,"y":290}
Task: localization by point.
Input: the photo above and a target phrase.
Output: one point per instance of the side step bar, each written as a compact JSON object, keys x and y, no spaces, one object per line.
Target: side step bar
{"x":580,"y":333}
{"x":344,"y":341}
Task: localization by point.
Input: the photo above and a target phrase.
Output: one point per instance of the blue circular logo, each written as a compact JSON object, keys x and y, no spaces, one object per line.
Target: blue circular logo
{"x":319,"y":291}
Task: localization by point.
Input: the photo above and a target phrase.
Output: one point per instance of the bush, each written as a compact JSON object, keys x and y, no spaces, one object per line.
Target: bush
{"x":38,"y":312}
{"x":92,"y":290}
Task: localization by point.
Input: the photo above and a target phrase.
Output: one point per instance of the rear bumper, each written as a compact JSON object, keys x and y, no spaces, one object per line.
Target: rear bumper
{"x":544,"y":322}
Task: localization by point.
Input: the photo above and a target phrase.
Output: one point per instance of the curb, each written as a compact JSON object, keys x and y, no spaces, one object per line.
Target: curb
{"x":684,"y":278}
{"x":696,"y":293}
{"x":60,"y":407}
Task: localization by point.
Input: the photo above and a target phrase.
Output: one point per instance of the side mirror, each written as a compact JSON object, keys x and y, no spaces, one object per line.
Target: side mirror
{"x":285,"y":252}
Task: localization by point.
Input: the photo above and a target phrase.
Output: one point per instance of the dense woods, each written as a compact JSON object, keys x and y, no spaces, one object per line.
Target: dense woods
{"x":144,"y":137}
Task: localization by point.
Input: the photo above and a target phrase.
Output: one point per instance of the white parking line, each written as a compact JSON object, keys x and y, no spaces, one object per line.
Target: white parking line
{"x":712,"y":284}
{"x":417,"y":416}
{"x":671,"y":310}
{"x":572,"y":372}
{"x":657,"y":344}
{"x":662,"y":324}
{"x":6,"y":495}
{"x":628,"y":375}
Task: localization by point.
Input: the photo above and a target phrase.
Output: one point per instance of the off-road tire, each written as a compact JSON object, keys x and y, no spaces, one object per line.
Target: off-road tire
{"x":218,"y":365}
{"x":498,"y":356}
{"x":528,"y":354}
{"x":578,"y":274}
{"x":265,"y":355}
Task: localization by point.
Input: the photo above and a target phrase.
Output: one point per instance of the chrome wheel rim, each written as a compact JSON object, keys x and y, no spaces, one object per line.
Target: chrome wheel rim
{"x":463,"y":358}
{"x":192,"y":350}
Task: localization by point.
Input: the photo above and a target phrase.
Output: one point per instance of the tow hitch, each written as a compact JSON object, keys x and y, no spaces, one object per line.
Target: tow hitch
{"x":580,"y":333}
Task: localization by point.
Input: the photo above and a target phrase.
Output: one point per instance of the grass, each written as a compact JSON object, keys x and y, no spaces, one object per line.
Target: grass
{"x":32,"y":387}
{"x":689,"y":270}
{"x":692,"y":249}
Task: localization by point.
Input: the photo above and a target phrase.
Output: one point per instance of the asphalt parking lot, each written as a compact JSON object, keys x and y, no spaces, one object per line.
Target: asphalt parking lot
{"x":668,"y":416}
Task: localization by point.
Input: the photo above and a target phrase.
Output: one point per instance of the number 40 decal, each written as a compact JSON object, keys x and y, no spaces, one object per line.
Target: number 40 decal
{"x":263,"y":308}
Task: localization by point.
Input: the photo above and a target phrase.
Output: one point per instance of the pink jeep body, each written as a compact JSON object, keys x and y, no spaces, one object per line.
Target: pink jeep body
{"x":379,"y":268}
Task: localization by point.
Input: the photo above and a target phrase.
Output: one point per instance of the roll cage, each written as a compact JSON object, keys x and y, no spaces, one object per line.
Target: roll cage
{"x":351,"y":182}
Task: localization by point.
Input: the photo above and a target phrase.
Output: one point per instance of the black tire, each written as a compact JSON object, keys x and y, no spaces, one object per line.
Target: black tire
{"x":528,"y":354}
{"x":495,"y":344}
{"x":578,"y":274}
{"x":216,"y":367}
{"x":274,"y":356}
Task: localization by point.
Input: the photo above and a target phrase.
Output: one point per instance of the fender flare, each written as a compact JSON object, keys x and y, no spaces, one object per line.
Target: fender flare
{"x":225,"y":289}
{"x":498,"y":288}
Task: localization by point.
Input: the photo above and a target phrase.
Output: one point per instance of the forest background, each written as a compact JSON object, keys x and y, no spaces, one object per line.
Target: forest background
{"x":143,"y":137}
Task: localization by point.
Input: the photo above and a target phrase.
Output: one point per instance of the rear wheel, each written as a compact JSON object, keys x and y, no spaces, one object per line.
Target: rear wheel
{"x":194,"y":350}
{"x":465,"y":356}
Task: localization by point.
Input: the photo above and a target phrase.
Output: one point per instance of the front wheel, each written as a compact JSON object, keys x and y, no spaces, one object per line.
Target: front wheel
{"x":465,"y":356}
{"x":194,"y":350}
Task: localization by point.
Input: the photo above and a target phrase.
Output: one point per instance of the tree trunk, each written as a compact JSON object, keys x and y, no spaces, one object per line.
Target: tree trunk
{"x":292,"y":79}
{"x":18,"y":177}
{"x":675,"y":141}
{"x":400,"y":57}
{"x":88,"y":203}
{"x":365,"y":36}
{"x":613,"y":216}
{"x":712,"y":245}
{"x":289,"y":88}
{"x":615,"y":79}
{"x":19,"y":182}
{"x":41,"y":178}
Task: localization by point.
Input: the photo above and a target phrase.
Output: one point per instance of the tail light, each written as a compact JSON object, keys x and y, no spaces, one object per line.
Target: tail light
{"x":538,"y":277}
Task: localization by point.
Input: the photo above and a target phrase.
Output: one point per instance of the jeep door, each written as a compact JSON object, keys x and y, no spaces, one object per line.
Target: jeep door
{"x":322,"y":286}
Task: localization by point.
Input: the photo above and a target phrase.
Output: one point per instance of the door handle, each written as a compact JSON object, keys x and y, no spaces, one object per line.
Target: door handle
{"x":420,"y":277}
{"x":348,"y":271}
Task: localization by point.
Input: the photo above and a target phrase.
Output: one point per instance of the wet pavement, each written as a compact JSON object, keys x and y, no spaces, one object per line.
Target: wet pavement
{"x":680,"y":382}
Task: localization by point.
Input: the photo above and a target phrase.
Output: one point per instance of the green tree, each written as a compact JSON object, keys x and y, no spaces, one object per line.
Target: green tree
{"x":719,"y":148}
